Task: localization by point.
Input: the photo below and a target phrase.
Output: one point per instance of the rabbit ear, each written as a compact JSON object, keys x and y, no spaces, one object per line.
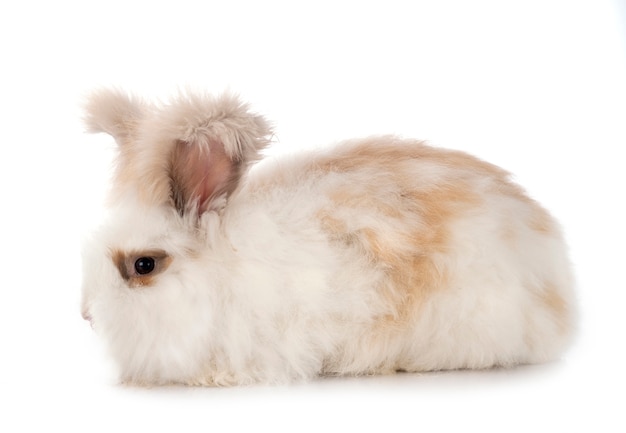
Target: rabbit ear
{"x":199,"y":174}
{"x":114,"y":112}
{"x":215,"y":141}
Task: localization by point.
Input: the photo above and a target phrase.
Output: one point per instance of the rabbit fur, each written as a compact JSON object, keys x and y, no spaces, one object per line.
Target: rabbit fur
{"x":369,"y":257}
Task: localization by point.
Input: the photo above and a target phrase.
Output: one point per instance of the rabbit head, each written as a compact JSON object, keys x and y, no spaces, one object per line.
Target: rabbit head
{"x":144,"y":288}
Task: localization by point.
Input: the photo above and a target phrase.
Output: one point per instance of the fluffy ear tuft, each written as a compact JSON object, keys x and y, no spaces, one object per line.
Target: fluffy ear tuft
{"x":114,"y":112}
{"x":204,"y":119}
{"x":186,"y":153}
{"x":215,"y":140}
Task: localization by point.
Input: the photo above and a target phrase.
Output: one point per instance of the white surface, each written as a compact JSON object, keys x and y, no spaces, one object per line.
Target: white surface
{"x":538,"y":87}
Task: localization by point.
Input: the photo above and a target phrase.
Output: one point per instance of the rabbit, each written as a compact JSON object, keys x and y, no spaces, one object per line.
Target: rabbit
{"x":214,"y":266}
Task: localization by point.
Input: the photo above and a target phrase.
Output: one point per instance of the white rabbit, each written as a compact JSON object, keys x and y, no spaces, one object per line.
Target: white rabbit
{"x":373,"y":256}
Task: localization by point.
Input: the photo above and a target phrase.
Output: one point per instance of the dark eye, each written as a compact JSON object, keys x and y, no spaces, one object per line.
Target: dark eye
{"x":144,"y":265}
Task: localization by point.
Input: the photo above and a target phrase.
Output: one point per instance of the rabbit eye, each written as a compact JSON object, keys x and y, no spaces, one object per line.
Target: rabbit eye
{"x":138,"y":268}
{"x":144,"y":265}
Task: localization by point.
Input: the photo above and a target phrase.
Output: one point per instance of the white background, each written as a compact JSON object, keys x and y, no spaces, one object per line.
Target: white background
{"x":538,"y":87}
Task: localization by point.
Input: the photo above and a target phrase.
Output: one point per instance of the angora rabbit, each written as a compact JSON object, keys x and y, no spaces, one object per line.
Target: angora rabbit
{"x":374,"y":256}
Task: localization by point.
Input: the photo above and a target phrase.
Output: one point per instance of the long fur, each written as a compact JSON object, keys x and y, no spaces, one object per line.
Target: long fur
{"x":376,"y":255}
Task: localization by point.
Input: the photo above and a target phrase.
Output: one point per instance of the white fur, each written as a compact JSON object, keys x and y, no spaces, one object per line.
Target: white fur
{"x":259,"y":291}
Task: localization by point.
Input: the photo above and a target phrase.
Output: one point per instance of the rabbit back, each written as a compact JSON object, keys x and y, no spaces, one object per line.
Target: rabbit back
{"x":454,"y":265}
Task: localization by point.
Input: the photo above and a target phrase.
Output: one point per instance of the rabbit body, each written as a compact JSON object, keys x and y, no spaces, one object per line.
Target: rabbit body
{"x":372,"y":256}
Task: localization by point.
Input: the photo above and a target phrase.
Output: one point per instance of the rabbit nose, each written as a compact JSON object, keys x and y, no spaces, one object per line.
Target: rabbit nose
{"x":87,"y":317}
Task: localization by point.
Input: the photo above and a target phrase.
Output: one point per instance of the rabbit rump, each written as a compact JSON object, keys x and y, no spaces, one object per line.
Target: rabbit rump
{"x":374,"y":256}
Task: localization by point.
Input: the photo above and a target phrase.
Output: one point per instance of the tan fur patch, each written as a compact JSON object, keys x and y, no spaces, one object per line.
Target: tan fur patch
{"x":414,"y":222}
{"x":125,"y":262}
{"x":554,"y":302}
{"x":383,"y":151}
{"x":541,"y":221}
{"x":335,"y":228}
